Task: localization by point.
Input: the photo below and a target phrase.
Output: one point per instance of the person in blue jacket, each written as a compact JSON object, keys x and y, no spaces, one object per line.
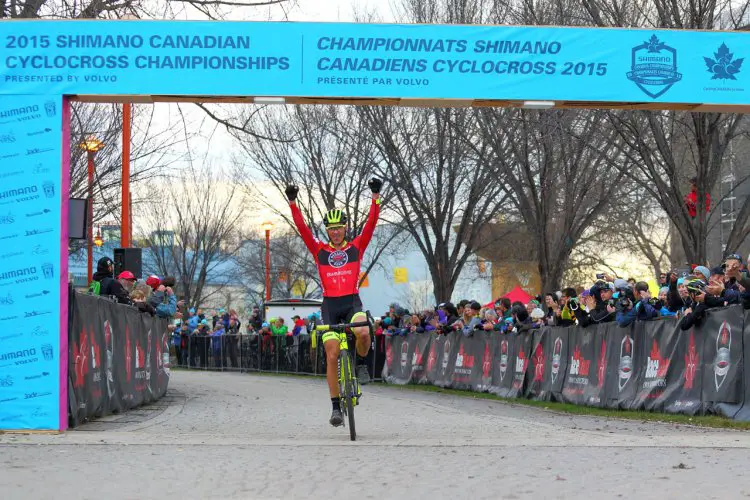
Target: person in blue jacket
{"x":193,"y":319}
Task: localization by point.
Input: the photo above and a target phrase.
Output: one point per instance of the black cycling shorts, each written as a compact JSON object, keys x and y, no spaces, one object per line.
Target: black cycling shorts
{"x":337,"y":310}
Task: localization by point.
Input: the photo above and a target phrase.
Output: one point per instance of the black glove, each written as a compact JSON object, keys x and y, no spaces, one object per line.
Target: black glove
{"x":291,"y":192}
{"x":375,"y":184}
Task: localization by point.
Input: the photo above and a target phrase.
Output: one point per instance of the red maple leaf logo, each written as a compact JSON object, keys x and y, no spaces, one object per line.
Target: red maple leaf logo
{"x":539,"y":361}
{"x":662,"y":363}
{"x":691,"y":362}
{"x":486,"y":361}
{"x":602,"y":366}
{"x":80,"y":353}
{"x":724,"y":334}
{"x":418,"y":357}
{"x":388,"y":354}
{"x":432,"y":358}
{"x":128,"y":356}
{"x":628,"y":345}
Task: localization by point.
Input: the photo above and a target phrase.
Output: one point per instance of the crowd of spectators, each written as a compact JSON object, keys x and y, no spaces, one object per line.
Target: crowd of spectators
{"x":685,"y":295}
{"x":154,"y":297}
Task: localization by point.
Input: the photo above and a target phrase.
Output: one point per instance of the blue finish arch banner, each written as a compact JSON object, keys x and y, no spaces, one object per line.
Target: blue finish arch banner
{"x":373,"y":60}
{"x":30,"y":267}
{"x":42,"y":61}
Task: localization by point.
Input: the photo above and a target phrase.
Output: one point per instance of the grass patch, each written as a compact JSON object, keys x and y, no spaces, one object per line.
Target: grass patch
{"x":701,"y":421}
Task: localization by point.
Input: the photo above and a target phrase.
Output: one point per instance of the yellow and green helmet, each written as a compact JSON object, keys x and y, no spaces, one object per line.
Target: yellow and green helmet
{"x":335,"y":218}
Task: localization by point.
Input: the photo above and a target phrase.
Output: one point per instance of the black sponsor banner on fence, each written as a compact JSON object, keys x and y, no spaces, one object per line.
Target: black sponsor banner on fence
{"x":504,"y":350}
{"x":722,"y":333}
{"x":398,"y":363}
{"x":446,"y":359}
{"x":620,"y":385}
{"x":539,"y":367}
{"x":116,"y":358}
{"x":594,"y":393}
{"x":468,"y":362}
{"x":420,"y":356}
{"x":520,"y":363}
{"x":656,"y":347}
{"x":744,"y":411}
{"x":482,"y":376}
{"x":581,"y":361}
{"x":649,"y":365}
{"x":556,"y":344}
{"x":683,"y":391}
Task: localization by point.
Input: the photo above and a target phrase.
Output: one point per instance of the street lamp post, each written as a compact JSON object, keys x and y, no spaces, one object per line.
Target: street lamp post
{"x":125,"y":217}
{"x":91,"y":145}
{"x":267,"y":226}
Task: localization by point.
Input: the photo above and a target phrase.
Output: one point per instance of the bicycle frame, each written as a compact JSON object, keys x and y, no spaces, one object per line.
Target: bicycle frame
{"x":348,"y":383}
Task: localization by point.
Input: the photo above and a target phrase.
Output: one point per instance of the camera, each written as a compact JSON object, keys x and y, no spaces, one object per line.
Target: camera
{"x":574,"y":304}
{"x":626,"y":298}
{"x":600,"y":276}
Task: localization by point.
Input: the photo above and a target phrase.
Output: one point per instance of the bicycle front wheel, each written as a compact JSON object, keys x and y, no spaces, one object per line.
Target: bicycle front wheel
{"x":348,"y":395}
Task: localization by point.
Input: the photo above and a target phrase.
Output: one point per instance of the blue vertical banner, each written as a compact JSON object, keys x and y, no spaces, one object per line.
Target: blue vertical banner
{"x":30,"y":235}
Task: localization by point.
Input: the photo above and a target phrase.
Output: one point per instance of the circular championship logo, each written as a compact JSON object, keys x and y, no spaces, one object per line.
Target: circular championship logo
{"x":338,"y":258}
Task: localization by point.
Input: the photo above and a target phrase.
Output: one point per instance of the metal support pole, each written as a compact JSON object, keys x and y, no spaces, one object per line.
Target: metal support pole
{"x":125,"y":215}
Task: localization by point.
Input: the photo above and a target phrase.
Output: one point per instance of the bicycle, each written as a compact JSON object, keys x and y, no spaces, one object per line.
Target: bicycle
{"x":348,"y":384}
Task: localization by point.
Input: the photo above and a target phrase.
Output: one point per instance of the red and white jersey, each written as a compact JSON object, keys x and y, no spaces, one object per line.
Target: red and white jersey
{"x":338,"y":267}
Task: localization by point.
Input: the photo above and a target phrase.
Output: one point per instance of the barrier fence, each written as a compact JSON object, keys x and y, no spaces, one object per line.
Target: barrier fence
{"x":651,"y":365}
{"x":263,"y":353}
{"x":118,"y":358}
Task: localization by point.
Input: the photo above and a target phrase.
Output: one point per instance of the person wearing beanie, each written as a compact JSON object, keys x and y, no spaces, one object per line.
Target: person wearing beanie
{"x":537,"y":318}
{"x":532,"y":304}
{"x":703,"y":273}
{"x":643,"y":308}
{"x":153,"y":281}
{"x":521,"y":318}
{"x":105,"y":268}
{"x":604,"y":308}
{"x":163,"y":300}
{"x":101,"y":281}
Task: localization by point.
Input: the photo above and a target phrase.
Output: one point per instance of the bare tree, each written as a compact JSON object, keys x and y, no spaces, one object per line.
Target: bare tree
{"x":670,"y":147}
{"x":560,"y":178}
{"x":152,"y":153}
{"x":292,"y":272}
{"x":325,"y":151}
{"x":195,"y":232}
{"x":443,"y":191}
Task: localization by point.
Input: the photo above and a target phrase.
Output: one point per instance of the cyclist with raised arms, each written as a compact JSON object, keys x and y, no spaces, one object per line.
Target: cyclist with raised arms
{"x":338,"y":264}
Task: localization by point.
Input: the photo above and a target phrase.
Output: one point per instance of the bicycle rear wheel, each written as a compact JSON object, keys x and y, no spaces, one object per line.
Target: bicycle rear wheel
{"x":348,"y":393}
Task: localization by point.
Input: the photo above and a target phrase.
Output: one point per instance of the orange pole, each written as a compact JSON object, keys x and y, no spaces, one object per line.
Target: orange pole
{"x":125,"y":230}
{"x":268,"y":265}
{"x":91,"y":218}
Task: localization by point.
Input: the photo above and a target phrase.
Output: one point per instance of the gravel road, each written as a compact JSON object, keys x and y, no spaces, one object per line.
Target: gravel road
{"x":238,"y":436}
